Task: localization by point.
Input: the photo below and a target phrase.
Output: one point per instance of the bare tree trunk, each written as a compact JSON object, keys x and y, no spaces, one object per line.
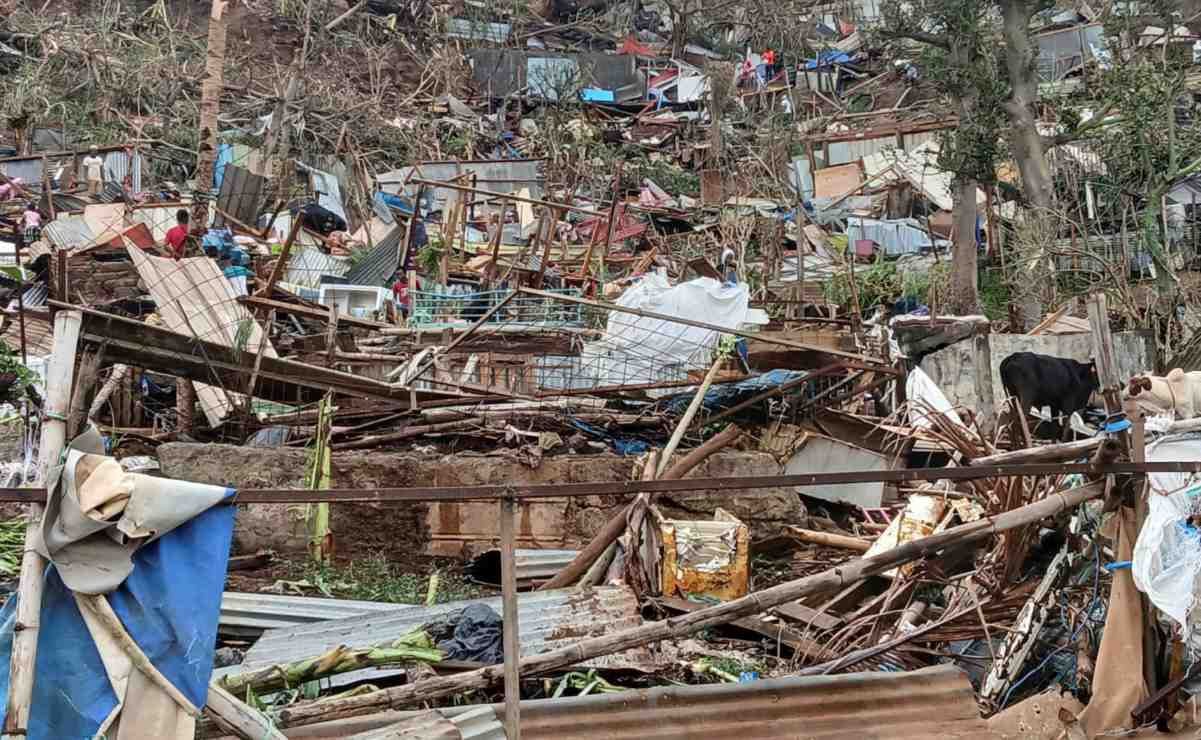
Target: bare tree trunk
{"x":210,"y":108}
{"x":965,"y":297}
{"x":1029,"y":153}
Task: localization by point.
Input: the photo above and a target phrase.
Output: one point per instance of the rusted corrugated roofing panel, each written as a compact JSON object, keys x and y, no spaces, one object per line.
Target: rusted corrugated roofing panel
{"x":931,"y":703}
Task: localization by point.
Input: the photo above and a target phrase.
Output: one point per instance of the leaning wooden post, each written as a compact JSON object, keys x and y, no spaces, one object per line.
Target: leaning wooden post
{"x":512,"y":635}
{"x":29,"y":592}
{"x":686,"y":419}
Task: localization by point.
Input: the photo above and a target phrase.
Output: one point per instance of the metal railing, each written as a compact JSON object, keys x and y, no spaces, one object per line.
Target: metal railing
{"x":443,"y":309}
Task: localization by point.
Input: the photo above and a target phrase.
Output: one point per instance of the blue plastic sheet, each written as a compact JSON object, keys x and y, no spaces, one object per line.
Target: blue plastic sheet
{"x":170,"y":605}
{"x":621,"y":445}
{"x":225,"y":155}
{"x":827,"y":59}
{"x":725,"y":395}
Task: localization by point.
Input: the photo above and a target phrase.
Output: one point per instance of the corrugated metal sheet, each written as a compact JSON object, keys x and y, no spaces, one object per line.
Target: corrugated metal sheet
{"x":29,"y":170}
{"x":843,"y":152}
{"x":68,"y":232}
{"x":194,"y":298}
{"x":120,"y":164}
{"x":479,"y":723}
{"x":252,"y":614}
{"x":380,"y":262}
{"x":159,"y":218}
{"x":548,"y":620}
{"x":431,"y":725}
{"x":39,"y":333}
{"x":499,"y":176}
{"x":500,"y":72}
{"x":532,"y":565}
{"x":328,"y":190}
{"x":241,"y":195}
{"x":468,"y":28}
{"x":451,"y":723}
{"x":307,"y":264}
{"x":931,"y":703}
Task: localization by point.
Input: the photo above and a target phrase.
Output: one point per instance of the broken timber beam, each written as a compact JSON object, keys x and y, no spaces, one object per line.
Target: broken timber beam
{"x":137,"y":344}
{"x":687,"y":624}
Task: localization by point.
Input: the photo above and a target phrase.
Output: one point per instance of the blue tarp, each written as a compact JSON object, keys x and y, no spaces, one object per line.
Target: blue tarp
{"x":170,"y":605}
{"x":725,"y":395}
{"x":828,"y":59}
{"x":225,"y":155}
{"x":621,"y":445}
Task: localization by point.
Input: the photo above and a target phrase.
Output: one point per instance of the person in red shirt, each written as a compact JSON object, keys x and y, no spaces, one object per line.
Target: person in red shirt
{"x":177,"y":236}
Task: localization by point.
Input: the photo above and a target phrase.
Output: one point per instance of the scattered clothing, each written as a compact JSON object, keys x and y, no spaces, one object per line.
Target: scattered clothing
{"x":477,"y":636}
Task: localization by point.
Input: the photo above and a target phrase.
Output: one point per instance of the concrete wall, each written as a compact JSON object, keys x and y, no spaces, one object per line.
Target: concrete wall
{"x":953,"y":368}
{"x":452,"y":529}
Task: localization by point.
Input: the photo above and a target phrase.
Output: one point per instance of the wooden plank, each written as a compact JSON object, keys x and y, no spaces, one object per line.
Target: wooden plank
{"x":512,"y":636}
{"x":156,"y":348}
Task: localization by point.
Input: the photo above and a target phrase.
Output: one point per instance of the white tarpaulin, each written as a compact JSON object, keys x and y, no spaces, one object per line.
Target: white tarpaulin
{"x":637,"y":349}
{"x":924,"y":396}
{"x":1167,"y":556}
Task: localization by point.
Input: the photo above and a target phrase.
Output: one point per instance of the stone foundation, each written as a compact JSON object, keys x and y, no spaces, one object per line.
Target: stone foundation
{"x":468,"y":527}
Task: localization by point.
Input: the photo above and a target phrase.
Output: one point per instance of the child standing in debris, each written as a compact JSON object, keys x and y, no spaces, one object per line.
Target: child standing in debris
{"x":177,"y":236}
{"x":93,"y":167}
{"x":32,"y":221}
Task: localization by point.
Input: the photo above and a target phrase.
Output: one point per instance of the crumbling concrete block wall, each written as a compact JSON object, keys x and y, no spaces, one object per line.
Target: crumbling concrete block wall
{"x":463,"y":527}
{"x":953,"y":368}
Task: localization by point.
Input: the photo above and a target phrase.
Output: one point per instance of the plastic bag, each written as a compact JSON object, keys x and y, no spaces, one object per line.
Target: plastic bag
{"x":1167,"y":554}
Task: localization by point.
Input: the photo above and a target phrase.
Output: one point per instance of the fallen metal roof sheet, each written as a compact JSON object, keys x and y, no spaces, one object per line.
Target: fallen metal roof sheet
{"x":935,"y":702}
{"x":194,"y":298}
{"x":932,"y":702}
{"x":308,"y":263}
{"x":68,"y":232}
{"x":253,"y":614}
{"x":548,"y":620}
{"x":476,"y":723}
{"x":380,"y":262}
{"x":532,"y":565}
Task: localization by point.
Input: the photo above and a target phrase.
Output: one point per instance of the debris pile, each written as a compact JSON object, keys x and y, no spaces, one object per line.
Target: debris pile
{"x":639,"y":360}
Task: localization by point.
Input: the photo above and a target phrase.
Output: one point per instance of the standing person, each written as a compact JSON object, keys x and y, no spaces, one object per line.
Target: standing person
{"x":32,"y":221}
{"x":177,"y":235}
{"x":93,"y":167}
{"x":769,"y":62}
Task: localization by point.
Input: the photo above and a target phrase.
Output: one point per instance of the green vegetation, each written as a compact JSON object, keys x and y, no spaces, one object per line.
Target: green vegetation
{"x":12,"y":545}
{"x":377,"y":579}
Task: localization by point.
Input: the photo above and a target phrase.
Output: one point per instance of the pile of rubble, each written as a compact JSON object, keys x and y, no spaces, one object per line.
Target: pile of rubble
{"x":696,"y":487}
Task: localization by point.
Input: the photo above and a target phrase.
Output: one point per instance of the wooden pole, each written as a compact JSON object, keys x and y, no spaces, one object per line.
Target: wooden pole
{"x":582,"y":650}
{"x":690,"y":412}
{"x":29,"y":593}
{"x":512,"y":636}
{"x":829,"y":540}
